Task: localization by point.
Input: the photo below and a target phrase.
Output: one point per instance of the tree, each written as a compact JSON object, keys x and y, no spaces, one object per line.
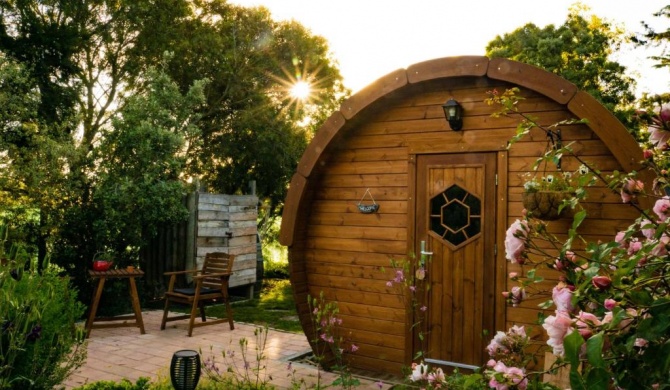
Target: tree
{"x":32,"y":174}
{"x":579,"y":51}
{"x":82,"y":55}
{"x":89,"y":59}
{"x":657,"y":38}
{"x":142,"y":159}
{"x":251,"y":128}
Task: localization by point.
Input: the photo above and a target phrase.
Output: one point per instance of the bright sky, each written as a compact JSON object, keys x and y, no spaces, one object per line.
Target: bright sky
{"x":370,"y":38}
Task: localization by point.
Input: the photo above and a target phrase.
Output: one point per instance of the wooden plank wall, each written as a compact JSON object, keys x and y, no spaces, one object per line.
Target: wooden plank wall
{"x":342,"y":253}
{"x":171,"y":249}
{"x":227,"y":223}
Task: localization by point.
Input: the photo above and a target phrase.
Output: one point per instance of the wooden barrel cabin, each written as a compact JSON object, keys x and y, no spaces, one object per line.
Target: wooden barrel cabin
{"x":390,"y":148}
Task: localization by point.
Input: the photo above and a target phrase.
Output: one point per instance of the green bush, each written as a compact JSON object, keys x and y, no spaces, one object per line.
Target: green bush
{"x":125,"y":384}
{"x":39,"y":342}
{"x":275,"y":270}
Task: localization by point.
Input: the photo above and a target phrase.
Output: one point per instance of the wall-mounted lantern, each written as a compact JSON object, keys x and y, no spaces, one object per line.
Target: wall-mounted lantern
{"x":454,"y":114}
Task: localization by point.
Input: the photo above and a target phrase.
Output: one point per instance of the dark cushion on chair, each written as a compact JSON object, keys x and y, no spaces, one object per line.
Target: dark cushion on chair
{"x":191,"y":291}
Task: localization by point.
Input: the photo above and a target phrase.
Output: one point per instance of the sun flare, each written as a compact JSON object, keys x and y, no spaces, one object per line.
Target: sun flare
{"x":301,"y":90}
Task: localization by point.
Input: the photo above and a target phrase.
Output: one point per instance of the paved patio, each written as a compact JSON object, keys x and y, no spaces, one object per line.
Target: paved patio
{"x":117,"y":353}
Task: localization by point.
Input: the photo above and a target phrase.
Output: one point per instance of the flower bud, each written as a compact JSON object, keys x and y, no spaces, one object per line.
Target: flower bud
{"x":601,"y":282}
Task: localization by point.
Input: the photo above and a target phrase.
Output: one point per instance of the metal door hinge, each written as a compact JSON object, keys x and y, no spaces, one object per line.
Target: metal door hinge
{"x":495,"y":249}
{"x":496,"y":179}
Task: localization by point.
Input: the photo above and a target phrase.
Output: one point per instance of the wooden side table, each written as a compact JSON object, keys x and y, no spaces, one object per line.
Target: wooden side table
{"x":132,"y":288}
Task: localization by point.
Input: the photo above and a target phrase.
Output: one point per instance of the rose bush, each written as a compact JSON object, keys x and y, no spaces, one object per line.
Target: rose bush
{"x":611,"y":324}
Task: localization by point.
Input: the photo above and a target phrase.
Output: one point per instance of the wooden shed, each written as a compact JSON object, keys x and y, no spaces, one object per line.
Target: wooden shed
{"x":392,"y":139}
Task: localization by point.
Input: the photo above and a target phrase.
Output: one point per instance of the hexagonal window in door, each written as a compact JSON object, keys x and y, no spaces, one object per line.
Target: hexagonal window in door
{"x":455,"y":215}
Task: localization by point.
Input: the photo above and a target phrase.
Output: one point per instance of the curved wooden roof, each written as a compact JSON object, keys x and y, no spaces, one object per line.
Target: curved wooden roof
{"x":603,"y":123}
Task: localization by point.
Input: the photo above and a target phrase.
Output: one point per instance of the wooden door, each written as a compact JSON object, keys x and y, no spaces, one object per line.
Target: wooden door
{"x":455,"y":216}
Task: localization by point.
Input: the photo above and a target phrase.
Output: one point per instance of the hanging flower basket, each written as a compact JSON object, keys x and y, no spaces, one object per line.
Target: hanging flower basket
{"x":545,"y":204}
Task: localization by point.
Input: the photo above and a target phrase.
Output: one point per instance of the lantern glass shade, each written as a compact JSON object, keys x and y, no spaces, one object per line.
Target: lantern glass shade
{"x":453,"y":112}
{"x":185,"y":369}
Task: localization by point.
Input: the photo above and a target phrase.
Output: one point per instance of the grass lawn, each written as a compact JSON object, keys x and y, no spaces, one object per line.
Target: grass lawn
{"x":275,"y":307}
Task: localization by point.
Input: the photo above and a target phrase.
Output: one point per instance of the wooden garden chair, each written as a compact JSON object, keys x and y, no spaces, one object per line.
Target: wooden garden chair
{"x":210,"y":285}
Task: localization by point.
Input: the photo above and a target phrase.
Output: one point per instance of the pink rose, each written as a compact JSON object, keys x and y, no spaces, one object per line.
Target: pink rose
{"x":648,"y":229}
{"x":562,"y":297}
{"x":662,"y":208}
{"x":436,"y":376}
{"x":515,"y":241}
{"x":664,"y":114}
{"x":661,"y":248}
{"x":659,"y":137}
{"x":517,"y":330}
{"x":517,"y":377}
{"x":640,"y":343}
{"x":558,"y":264}
{"x":517,"y":295}
{"x":647,"y":154}
{"x":634,"y":247}
{"x":584,"y":322}
{"x":620,"y":238}
{"x":557,"y":328}
{"x":497,"y":344}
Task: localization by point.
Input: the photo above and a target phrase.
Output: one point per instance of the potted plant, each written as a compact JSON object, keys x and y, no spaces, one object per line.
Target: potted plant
{"x":102,"y":261}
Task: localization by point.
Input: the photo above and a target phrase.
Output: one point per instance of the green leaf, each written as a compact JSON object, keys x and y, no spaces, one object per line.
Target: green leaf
{"x":576,"y":382}
{"x":594,"y":350}
{"x":578,"y":219}
{"x":597,"y":379}
{"x":573,"y":344}
{"x":546,"y":304}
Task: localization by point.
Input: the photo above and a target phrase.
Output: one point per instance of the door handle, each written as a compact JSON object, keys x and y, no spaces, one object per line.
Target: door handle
{"x":423,"y":249}
{"x":424,"y":254}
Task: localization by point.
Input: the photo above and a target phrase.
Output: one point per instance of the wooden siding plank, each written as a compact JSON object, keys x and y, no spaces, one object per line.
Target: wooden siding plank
{"x":365,"y":181}
{"x":381,"y":233}
{"x":380,"y":220}
{"x":367,"y":311}
{"x":352,"y":193}
{"x":379,"y":154}
{"x":371,"y":246}
{"x":353,"y":271}
{"x":367,"y":167}
{"x":351,"y":206}
{"x":347,"y":257}
{"x":323,"y":139}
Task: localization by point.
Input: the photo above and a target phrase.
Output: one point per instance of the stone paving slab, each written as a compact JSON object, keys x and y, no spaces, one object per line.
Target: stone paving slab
{"x":117,"y":353}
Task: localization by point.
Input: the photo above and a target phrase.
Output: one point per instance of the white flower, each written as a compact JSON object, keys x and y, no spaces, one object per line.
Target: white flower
{"x":419,"y":372}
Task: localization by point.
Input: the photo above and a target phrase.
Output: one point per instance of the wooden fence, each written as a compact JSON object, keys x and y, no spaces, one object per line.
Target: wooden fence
{"x":216,"y":223}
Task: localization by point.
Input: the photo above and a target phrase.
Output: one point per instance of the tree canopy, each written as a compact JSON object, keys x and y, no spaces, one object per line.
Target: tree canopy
{"x":113,"y":107}
{"x":578,"y":50}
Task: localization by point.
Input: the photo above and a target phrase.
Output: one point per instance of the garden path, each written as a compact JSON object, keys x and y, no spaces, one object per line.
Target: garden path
{"x":117,"y":353}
